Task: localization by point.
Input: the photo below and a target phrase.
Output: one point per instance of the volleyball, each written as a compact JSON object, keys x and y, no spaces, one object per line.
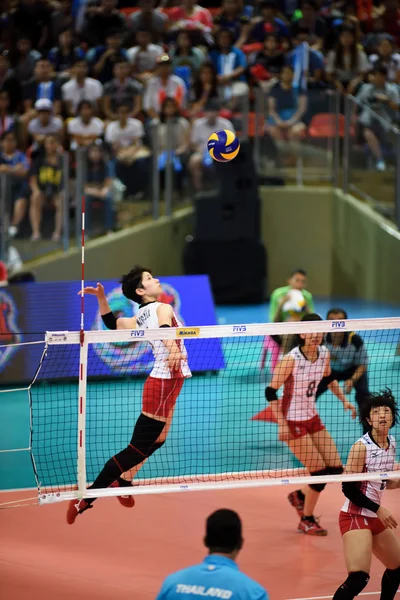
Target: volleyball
{"x":223,"y":145}
{"x":295,"y":303}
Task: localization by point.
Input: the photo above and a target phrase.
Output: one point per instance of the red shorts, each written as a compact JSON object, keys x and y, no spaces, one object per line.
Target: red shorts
{"x":159,"y":395}
{"x":299,"y":429}
{"x":348,"y":522}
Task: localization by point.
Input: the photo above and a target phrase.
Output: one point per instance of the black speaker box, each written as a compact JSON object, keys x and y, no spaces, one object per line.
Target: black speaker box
{"x":226,"y":217}
{"x":237,"y":269}
{"x":238,"y":177}
{"x":231,"y":212}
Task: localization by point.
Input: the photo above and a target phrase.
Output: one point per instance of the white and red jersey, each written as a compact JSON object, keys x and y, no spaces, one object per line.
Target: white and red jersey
{"x":377,"y":459}
{"x":298,"y":400}
{"x":147,"y":318}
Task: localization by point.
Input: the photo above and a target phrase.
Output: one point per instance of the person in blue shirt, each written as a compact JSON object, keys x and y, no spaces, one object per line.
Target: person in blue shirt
{"x":15,"y":165}
{"x":312,"y":60}
{"x":231,"y":64}
{"x":218,"y":576}
{"x":269,"y":23}
{"x":234,"y":18}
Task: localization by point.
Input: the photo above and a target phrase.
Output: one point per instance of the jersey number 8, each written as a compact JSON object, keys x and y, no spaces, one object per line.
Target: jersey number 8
{"x":311,"y":389}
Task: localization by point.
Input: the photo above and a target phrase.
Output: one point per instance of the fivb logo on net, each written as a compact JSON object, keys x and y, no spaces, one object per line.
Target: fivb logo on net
{"x":135,"y":355}
{"x":338,"y":324}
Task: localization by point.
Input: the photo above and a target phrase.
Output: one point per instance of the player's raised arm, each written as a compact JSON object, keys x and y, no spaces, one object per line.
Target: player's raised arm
{"x":282,"y":371}
{"x":108,"y":317}
{"x":337,"y":390}
{"x":165,"y":314}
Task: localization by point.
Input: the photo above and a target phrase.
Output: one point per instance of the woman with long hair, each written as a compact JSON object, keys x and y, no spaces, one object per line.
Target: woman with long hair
{"x":205,"y":87}
{"x":299,"y":423}
{"x":347,"y":64}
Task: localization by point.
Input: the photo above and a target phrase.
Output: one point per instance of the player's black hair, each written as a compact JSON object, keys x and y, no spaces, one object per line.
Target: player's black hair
{"x":308,"y":317}
{"x":223,"y":532}
{"x":132,"y":281}
{"x":299,"y":271}
{"x":335,"y":310}
{"x":373,"y":400}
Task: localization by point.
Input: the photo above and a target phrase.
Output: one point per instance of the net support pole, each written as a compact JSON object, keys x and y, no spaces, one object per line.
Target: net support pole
{"x":82,"y":419}
{"x":83,"y":358}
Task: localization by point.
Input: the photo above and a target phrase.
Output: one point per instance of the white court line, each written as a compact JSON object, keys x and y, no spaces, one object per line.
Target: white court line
{"x":331,"y":596}
{"x":29,"y":489}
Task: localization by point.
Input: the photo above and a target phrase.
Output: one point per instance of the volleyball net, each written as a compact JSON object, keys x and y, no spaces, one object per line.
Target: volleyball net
{"x":86,"y":397}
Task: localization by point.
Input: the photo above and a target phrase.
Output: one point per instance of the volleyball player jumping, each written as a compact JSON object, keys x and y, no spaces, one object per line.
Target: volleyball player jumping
{"x":300,"y":426}
{"x":367,"y":527}
{"x":161,"y":388}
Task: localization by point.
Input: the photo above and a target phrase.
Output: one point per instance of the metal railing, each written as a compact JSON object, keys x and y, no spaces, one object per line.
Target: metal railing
{"x":335,"y":146}
{"x":371,"y":158}
{"x":331,"y":147}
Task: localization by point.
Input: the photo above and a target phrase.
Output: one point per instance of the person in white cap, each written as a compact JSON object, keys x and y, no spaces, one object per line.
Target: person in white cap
{"x":46,"y":123}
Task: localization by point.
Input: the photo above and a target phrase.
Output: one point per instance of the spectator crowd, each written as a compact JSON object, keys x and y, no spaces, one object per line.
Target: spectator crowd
{"x":100,"y":76}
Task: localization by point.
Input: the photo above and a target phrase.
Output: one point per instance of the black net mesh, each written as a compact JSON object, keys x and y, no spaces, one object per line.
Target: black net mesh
{"x":222,"y":425}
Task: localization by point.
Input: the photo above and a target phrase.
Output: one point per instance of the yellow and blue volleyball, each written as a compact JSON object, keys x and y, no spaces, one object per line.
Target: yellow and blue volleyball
{"x":223,"y":145}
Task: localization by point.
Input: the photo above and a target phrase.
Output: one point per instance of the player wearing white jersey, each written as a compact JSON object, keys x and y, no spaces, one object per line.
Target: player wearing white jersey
{"x":300,"y":426}
{"x":161,"y":389}
{"x":367,"y":527}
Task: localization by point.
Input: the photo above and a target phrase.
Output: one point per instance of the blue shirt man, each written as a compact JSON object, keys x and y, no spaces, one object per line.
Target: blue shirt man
{"x":218,"y":576}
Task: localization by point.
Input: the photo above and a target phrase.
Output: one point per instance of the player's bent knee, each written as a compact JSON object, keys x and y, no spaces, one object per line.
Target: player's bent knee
{"x":144,"y":438}
{"x":318,"y":487}
{"x":354,"y":585}
{"x":146,"y":433}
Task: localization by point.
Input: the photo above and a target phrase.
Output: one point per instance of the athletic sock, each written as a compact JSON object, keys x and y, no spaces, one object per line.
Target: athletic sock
{"x":390,"y":584}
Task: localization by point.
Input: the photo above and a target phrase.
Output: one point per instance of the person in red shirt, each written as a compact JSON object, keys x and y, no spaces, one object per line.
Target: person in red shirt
{"x":192,"y":17}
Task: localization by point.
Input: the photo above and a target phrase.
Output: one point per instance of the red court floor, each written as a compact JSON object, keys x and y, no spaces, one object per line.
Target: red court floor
{"x":112,"y":552}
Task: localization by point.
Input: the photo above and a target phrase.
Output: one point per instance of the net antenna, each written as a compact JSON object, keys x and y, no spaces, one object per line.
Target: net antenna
{"x":83,"y":358}
{"x":215,"y":442}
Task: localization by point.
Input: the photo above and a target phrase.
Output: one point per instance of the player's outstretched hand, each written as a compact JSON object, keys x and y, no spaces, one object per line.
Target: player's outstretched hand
{"x":386,"y":517}
{"x":93,"y":291}
{"x":349,"y":406}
